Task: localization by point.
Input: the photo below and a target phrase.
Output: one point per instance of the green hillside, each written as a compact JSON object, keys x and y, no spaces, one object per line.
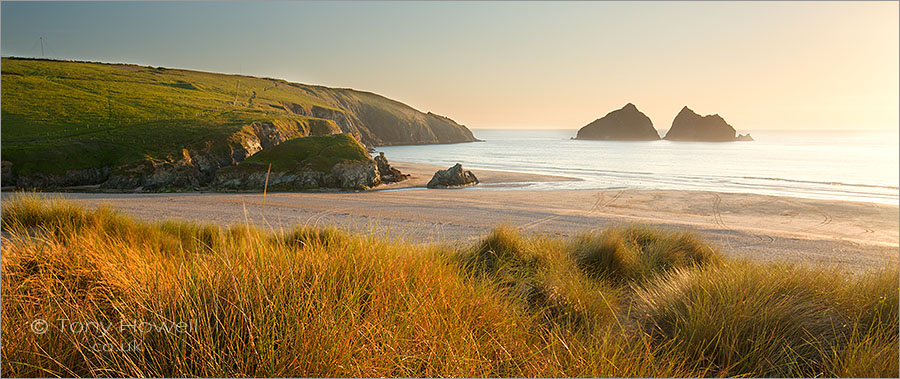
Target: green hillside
{"x":59,"y":116}
{"x":316,"y":153}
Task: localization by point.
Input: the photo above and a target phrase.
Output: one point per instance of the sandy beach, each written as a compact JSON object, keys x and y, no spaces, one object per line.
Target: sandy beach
{"x":853,"y":235}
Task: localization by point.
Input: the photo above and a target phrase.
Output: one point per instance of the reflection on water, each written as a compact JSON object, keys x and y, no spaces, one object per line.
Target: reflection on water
{"x":860,"y":166}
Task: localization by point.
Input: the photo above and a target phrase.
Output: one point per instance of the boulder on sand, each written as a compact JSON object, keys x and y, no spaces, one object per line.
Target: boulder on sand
{"x":454,"y":176}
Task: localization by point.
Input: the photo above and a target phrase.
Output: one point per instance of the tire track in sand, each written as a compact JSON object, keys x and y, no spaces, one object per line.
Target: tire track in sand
{"x":598,"y":205}
{"x":826,"y":219}
{"x":720,"y":222}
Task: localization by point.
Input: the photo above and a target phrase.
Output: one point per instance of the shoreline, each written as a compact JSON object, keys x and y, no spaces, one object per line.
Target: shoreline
{"x":852,"y":235}
{"x":421,"y":173}
{"x":501,"y":179}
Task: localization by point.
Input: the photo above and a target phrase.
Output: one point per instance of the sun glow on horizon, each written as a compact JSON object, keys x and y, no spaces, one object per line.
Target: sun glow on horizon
{"x":761,"y":65}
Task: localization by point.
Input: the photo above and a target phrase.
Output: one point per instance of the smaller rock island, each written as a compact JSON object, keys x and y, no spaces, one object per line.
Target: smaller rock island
{"x":690,"y":126}
{"x":625,"y":124}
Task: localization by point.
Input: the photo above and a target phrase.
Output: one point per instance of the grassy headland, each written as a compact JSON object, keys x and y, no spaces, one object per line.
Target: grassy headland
{"x":311,"y":153}
{"x":60,"y":115}
{"x":334,"y":161}
{"x":627,"y":301}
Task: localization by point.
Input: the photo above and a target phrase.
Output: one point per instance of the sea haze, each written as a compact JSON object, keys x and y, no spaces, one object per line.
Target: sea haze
{"x":857,"y":166}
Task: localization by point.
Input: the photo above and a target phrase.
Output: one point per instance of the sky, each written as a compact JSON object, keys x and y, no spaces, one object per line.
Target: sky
{"x":760,"y":65}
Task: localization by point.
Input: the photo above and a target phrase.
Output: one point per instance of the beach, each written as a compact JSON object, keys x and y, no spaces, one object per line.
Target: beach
{"x":851,"y":235}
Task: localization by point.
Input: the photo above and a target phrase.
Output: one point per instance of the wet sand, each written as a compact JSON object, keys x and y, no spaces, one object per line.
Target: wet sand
{"x":420,"y":174}
{"x":852,"y":235}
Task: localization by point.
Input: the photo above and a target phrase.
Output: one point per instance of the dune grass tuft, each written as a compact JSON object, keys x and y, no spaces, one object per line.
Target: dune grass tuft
{"x":302,"y":236}
{"x":769,"y":320}
{"x":243,"y":301}
{"x":540,"y":273}
{"x":637,"y":253}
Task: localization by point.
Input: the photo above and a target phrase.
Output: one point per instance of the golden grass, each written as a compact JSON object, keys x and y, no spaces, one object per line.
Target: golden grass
{"x":323,"y":302}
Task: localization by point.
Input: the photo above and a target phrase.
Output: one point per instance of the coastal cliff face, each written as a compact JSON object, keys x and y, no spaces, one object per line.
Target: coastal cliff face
{"x":690,"y":126}
{"x":137,"y":127}
{"x":378,"y":121}
{"x":348,"y":175}
{"x":625,"y":124}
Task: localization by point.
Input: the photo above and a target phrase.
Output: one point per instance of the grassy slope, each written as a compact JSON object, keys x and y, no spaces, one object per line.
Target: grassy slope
{"x":315,"y":153}
{"x":625,"y":302}
{"x":70,"y":115}
{"x":65,"y":115}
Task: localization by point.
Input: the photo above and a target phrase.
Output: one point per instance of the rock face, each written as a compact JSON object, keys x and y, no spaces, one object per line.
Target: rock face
{"x":388,"y":173}
{"x":454,"y":176}
{"x":353,"y":175}
{"x":744,"y":137}
{"x":626,"y":124}
{"x":344,"y":175}
{"x":49,"y":180}
{"x":6,"y":178}
{"x":690,"y":126}
{"x":378,"y":121}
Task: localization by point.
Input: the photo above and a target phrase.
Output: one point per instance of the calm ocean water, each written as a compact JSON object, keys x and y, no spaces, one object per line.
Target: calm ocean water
{"x":858,"y":166}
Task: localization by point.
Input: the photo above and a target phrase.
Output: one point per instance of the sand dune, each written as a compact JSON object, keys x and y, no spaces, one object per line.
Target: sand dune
{"x":768,"y":228}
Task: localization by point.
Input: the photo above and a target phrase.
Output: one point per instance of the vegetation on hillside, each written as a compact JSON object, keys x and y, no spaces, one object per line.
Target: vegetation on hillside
{"x":61,"y":115}
{"x":309,"y":153}
{"x":627,"y":301}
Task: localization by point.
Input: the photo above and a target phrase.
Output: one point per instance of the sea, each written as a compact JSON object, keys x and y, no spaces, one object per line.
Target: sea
{"x":841,"y":165}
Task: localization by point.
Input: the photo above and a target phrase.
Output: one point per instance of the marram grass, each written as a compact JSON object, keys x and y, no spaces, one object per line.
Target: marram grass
{"x":119,"y":297}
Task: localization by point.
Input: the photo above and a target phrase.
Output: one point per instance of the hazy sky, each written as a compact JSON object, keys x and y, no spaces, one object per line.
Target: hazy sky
{"x":761,"y":65}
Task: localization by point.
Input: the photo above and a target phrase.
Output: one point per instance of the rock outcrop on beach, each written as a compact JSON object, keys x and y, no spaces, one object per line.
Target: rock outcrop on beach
{"x":690,"y":126}
{"x":388,"y":173}
{"x":337,"y":161}
{"x":744,"y":137}
{"x":452,"y":177}
{"x":344,"y":175}
{"x":625,"y":124}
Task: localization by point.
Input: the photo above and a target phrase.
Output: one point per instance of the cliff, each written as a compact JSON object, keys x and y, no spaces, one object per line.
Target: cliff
{"x":690,"y":126}
{"x":127,"y":126}
{"x":626,"y":124}
{"x":379,"y":121}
